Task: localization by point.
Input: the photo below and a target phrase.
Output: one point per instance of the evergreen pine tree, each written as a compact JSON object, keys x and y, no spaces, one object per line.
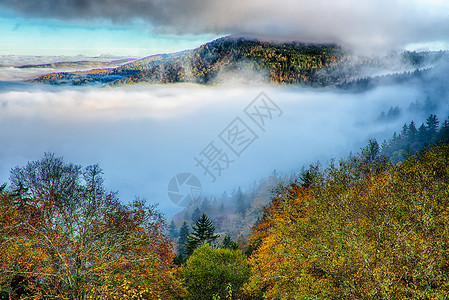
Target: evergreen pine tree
{"x":432,"y":127}
{"x":371,"y":152}
{"x":443,"y":133}
{"x":182,"y":245}
{"x":228,"y":243}
{"x":196,"y":214}
{"x":205,"y":205}
{"x":203,"y":233}
{"x":183,"y":234}
{"x":412,"y":132}
{"x":394,"y":138}
{"x":393,"y":144}
{"x":432,"y":123}
{"x":172,"y":230}
{"x":422,"y":134}
{"x":404,"y":132}
{"x":306,"y":177}
{"x":240,"y":206}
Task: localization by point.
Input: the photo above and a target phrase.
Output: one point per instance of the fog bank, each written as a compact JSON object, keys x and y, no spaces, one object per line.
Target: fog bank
{"x":142,"y":136}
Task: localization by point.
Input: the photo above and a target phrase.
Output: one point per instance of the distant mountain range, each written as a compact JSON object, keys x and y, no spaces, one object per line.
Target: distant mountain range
{"x":78,"y":64}
{"x":251,"y":61}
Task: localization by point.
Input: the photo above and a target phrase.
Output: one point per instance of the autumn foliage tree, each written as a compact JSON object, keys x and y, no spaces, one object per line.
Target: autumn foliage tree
{"x":208,"y":272}
{"x":69,"y":238}
{"x":362,"y":229}
{"x":11,"y":284}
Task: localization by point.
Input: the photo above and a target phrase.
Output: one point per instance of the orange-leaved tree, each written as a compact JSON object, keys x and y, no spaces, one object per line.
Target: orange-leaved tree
{"x":75,"y":240}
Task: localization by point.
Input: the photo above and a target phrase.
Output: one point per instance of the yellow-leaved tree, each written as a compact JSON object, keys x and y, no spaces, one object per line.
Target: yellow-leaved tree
{"x":364,"y":229}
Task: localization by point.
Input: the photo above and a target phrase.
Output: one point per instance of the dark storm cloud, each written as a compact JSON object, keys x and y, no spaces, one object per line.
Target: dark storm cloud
{"x":157,"y":11}
{"x":369,"y":23}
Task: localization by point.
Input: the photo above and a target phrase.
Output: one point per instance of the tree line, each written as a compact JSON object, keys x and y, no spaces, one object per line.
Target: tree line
{"x":412,"y":138}
{"x":281,"y":63}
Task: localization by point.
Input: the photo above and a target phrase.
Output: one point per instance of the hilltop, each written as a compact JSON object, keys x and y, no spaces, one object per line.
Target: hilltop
{"x":252,"y":61}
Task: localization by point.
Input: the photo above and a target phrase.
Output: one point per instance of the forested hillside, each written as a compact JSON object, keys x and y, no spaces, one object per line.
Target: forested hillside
{"x":234,"y":214}
{"x":359,"y":229}
{"x":366,"y":227}
{"x":246,"y":60}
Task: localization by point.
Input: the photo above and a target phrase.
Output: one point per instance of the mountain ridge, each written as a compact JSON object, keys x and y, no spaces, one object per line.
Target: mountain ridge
{"x":249,"y":60}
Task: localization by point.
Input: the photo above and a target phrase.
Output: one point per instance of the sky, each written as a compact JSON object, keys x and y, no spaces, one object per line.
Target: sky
{"x":22,"y":35}
{"x":144,"y":27}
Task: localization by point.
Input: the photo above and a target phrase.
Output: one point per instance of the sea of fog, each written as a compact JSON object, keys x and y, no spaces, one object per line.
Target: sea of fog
{"x":142,"y":136}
